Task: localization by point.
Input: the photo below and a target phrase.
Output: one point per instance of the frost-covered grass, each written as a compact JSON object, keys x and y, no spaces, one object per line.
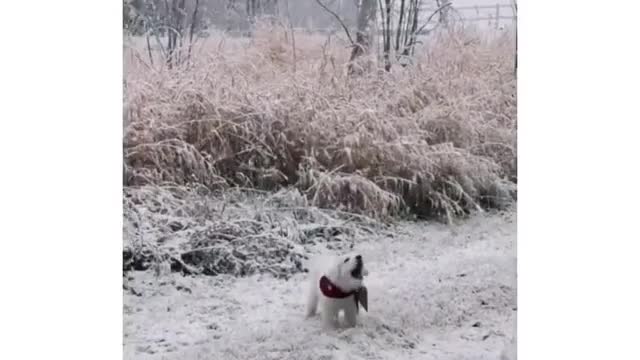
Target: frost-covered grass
{"x":436,"y":292}
{"x":437,"y":138}
{"x":237,"y":232}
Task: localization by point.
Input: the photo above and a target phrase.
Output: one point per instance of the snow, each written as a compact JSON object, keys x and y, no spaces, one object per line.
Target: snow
{"x":435,"y":292}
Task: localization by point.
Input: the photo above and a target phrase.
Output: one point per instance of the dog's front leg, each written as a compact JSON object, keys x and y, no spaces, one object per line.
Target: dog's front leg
{"x":350,"y":315}
{"x":312,"y":303}
{"x":329,"y":317}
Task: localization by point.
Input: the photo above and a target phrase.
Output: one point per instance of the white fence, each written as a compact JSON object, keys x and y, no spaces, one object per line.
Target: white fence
{"x":495,"y":15}
{"x":485,"y":16}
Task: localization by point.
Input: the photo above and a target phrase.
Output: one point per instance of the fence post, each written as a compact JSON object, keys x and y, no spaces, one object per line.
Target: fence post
{"x":497,"y":16}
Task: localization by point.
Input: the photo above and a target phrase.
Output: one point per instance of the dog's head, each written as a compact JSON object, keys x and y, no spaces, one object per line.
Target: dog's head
{"x":348,"y":272}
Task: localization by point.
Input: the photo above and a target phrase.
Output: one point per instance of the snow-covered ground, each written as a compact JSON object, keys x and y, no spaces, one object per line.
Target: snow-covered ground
{"x":435,"y":292}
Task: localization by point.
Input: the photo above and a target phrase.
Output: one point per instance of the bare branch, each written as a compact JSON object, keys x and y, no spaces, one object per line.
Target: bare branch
{"x":152,"y":29}
{"x":171,"y":29}
{"x":346,"y":30}
{"x":414,"y":39}
{"x":193,"y":27}
{"x":432,"y":15}
{"x":293,"y":37}
{"x":149,"y":49}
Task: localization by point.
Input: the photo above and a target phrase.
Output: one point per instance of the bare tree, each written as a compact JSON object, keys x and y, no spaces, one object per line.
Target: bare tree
{"x":337,"y":17}
{"x":165,"y":17}
{"x":386,"y":33}
{"x":259,"y":8}
{"x":515,"y":57}
{"x":252,"y":10}
{"x":405,"y":30}
{"x":175,"y":15}
{"x":443,"y":16}
{"x":401,"y":21}
{"x":194,"y":19}
{"x":366,"y":15}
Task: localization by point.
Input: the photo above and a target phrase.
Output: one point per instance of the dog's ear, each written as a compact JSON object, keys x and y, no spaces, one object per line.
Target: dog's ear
{"x":362,"y":297}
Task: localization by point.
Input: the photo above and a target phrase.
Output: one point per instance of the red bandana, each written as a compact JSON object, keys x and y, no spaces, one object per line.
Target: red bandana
{"x":332,"y":291}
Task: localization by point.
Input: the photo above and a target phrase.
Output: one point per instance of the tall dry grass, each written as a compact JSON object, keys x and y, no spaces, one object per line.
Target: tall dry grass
{"x":436,"y":138}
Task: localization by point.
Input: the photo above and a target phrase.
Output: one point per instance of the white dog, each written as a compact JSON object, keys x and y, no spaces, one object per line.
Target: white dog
{"x":334,"y":282}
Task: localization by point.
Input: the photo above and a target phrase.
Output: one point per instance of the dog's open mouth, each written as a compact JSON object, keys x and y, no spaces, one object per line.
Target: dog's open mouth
{"x":357,"y":271}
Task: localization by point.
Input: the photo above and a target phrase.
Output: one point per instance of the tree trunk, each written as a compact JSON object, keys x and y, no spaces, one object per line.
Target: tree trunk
{"x":387,"y":36}
{"x":399,"y":27}
{"x":366,"y":14}
{"x":414,"y":29}
{"x":167,"y":24}
{"x":180,"y":15}
{"x":515,"y":57}
{"x":194,"y":19}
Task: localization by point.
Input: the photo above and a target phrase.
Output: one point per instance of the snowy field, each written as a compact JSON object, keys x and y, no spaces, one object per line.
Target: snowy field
{"x":435,"y":292}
